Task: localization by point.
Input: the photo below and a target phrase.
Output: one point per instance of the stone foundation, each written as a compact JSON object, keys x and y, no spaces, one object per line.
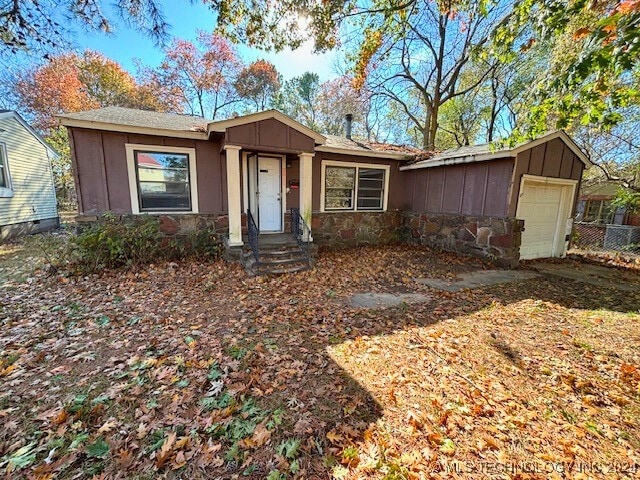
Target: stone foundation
{"x":494,"y":239}
{"x":338,"y":229}
{"x":28,"y":228}
{"x":171,"y":225}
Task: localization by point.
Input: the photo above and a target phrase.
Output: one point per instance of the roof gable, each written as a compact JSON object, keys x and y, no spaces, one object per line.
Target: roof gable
{"x":484,"y":152}
{"x":16,"y":116}
{"x":223,"y":125}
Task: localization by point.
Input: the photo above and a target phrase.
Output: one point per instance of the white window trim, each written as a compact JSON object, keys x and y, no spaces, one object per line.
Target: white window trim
{"x":333,"y":163}
{"x":6,"y":192}
{"x":133,"y":186}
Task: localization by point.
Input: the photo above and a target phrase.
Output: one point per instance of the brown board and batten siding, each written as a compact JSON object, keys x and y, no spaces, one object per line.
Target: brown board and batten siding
{"x":396,"y":178}
{"x":479,"y":189}
{"x":552,"y":159}
{"x":269,"y":135}
{"x":102,"y":178}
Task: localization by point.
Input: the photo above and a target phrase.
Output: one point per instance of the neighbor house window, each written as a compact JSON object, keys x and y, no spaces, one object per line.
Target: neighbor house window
{"x":354,"y":186}
{"x":162,"y":179}
{"x":5,"y":181}
{"x":598,"y":211}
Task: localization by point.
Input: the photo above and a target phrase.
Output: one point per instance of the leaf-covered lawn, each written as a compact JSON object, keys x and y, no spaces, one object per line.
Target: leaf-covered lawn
{"x":197,"y":371}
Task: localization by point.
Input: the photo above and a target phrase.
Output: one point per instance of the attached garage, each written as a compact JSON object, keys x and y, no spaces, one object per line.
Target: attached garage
{"x":503,"y":204}
{"x":545,"y":205}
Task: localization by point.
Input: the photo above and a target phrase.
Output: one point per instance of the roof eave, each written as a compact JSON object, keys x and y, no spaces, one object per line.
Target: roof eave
{"x":365,"y":153}
{"x":114,"y":127}
{"x":460,"y":160}
{"x":29,"y":128}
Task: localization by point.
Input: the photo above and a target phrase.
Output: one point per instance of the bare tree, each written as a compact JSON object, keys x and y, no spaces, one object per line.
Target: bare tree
{"x":421,"y":65}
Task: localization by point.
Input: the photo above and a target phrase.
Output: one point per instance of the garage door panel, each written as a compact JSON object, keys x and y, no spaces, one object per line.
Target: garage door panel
{"x":540,"y":206}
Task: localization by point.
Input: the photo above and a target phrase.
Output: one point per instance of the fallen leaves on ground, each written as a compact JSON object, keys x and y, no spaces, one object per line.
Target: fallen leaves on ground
{"x":197,"y":371}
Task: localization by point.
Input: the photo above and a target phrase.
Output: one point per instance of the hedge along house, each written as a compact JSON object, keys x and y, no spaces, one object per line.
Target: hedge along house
{"x":193,"y":174}
{"x":265,"y":173}
{"x":506,"y":204}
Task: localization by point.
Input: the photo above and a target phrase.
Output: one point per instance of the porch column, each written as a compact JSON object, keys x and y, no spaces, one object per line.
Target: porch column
{"x":306,"y":188}
{"x":233,"y":195}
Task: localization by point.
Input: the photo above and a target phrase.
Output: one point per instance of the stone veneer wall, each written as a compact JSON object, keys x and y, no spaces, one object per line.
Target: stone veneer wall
{"x":346,"y":229}
{"x":494,"y":239}
{"x":174,"y":225}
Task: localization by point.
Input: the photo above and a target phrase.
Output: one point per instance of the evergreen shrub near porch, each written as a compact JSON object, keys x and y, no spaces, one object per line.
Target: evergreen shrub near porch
{"x":113,"y":242}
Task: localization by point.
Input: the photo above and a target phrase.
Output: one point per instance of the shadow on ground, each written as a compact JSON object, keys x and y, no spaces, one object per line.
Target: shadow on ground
{"x":268,"y":337}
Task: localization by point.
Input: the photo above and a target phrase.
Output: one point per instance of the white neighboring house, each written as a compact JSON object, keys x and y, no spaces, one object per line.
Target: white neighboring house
{"x":27,"y":191}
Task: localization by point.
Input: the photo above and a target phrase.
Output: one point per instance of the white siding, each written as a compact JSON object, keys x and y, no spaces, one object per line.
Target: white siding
{"x":34,"y":195}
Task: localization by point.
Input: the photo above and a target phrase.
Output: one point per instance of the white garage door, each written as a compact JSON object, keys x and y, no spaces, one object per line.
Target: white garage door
{"x":540,"y":206}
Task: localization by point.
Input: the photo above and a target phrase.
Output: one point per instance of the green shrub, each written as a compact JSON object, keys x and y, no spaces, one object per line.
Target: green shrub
{"x":112,"y":243}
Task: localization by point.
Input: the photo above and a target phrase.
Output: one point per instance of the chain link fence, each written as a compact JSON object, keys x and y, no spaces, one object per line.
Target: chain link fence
{"x":592,"y":237}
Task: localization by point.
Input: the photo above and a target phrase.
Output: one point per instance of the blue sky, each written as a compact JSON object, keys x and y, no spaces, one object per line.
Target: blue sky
{"x":125,"y":44}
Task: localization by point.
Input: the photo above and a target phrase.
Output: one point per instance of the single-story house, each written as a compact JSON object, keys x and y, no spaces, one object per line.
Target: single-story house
{"x":595,"y":206}
{"x":599,"y":224}
{"x":243,"y":176}
{"x":27,"y":191}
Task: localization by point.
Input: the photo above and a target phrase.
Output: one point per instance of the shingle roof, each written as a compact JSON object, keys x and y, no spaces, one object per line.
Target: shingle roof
{"x":142,"y":118}
{"x":335,"y":141}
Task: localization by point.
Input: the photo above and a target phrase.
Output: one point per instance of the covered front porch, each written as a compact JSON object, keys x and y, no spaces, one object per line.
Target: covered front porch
{"x":270,"y":190}
{"x":272,"y":193}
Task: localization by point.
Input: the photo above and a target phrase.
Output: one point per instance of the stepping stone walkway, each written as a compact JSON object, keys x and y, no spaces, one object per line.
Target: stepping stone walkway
{"x":478,"y":279}
{"x":385,"y":300}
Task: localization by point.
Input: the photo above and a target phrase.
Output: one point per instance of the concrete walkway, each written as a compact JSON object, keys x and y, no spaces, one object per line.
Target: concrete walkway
{"x":478,"y":279}
{"x":591,"y":274}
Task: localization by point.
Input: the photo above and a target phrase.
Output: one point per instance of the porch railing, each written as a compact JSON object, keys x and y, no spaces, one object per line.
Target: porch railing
{"x":300,"y":231}
{"x":253,"y":232}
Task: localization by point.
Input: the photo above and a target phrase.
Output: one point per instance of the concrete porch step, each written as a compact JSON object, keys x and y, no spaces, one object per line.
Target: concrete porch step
{"x":278,"y":253}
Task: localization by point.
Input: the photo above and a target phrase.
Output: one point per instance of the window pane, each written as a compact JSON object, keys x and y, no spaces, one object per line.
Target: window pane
{"x":339,"y":186}
{"x":370,"y":188}
{"x":163,"y":181}
{"x":369,"y":203}
{"x":162,"y":160}
{"x":340,"y":177}
{"x":4,"y":181}
{"x":591,"y":212}
{"x":342,"y":203}
{"x":157,"y":195}
{"x":163,"y":175}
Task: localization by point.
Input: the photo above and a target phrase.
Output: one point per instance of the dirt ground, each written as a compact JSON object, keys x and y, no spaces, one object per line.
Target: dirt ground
{"x":194,"y":370}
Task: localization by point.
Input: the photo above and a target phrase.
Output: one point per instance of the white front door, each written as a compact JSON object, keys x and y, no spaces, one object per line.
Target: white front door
{"x":269,"y":194}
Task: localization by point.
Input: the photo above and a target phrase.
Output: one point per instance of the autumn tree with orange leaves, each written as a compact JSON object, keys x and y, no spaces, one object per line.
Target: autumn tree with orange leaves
{"x":72,"y":83}
{"x":257,"y":84}
{"x":199,"y":76}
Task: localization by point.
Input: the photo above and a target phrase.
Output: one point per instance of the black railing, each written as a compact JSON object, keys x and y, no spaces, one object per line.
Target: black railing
{"x":253,"y":234}
{"x":300,"y":231}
